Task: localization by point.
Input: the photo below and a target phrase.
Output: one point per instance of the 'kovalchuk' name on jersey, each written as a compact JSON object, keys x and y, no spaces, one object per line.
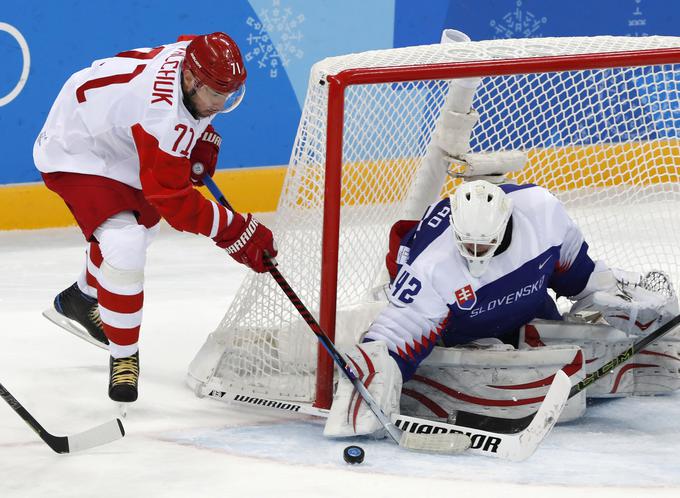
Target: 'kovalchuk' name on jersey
{"x":435,"y":298}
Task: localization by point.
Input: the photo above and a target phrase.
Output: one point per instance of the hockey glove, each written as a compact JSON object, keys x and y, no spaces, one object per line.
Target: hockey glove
{"x":637,"y":304}
{"x":246,"y":240}
{"x":205,"y":152}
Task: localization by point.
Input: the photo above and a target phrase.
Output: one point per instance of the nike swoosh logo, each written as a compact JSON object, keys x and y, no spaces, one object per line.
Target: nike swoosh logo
{"x":540,"y":267}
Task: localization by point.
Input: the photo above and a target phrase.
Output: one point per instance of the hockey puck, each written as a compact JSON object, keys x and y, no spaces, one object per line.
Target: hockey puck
{"x":353,"y":454}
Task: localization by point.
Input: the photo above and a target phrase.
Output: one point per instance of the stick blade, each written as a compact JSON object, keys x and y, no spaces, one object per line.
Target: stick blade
{"x":449,"y":444}
{"x":102,"y":434}
{"x":546,"y":417}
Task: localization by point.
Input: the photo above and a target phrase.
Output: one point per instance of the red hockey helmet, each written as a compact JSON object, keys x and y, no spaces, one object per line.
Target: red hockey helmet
{"x":215,"y":60}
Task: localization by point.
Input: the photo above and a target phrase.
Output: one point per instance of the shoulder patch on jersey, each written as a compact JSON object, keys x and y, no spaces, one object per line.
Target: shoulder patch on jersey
{"x":466,"y":297}
{"x":403,"y":254}
{"x":434,"y":223}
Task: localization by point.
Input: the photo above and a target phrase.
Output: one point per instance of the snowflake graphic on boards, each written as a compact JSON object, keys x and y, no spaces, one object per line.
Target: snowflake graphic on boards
{"x":637,"y":23}
{"x":519,"y":23}
{"x":280,"y":20}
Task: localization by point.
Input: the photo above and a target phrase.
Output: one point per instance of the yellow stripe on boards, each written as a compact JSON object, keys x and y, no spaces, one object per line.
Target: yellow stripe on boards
{"x":386,"y":181}
{"x":30,"y":206}
{"x":558,"y":169}
{"x":604,"y":165}
{"x":250,"y":190}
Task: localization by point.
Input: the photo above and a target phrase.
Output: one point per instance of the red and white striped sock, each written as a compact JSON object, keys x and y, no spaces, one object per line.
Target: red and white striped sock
{"x":120,"y":280}
{"x":88,"y":278}
{"x":121,"y":298}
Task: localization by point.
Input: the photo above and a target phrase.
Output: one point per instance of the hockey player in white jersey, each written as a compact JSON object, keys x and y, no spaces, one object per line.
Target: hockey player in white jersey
{"x":118,"y":146}
{"x":477,"y":267}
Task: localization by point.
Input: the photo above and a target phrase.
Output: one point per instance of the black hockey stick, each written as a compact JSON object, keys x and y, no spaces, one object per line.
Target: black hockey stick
{"x":512,"y":425}
{"x":440,"y":443}
{"x":96,"y":436}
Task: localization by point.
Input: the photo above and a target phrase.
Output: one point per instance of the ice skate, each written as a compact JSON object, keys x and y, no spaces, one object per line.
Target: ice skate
{"x":78,"y":313}
{"x":124,"y":374}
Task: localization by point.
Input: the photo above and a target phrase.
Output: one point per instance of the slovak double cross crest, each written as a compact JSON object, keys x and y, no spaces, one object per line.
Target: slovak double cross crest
{"x":466,"y":298}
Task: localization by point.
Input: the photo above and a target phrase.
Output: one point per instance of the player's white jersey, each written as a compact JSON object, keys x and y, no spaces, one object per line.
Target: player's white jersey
{"x":435,"y":297}
{"x":88,"y":129}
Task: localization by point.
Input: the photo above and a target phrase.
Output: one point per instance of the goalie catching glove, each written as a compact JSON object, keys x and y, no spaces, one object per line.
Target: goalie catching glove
{"x":248,"y":242}
{"x":629,"y":301}
{"x":349,"y":414}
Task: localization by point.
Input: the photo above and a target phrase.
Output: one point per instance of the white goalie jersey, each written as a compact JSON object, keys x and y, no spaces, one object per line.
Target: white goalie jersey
{"x":434,"y":298}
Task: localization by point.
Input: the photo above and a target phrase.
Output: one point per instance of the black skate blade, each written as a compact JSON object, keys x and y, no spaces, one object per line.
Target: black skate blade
{"x":71,"y":326}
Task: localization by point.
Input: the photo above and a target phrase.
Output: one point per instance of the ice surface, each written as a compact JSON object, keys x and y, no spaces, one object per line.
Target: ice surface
{"x":180,"y":446}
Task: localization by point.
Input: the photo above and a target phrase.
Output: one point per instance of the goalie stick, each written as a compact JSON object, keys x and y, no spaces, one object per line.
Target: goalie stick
{"x":513,"y":447}
{"x":102,"y":434}
{"x":511,"y":425}
{"x":449,"y":443}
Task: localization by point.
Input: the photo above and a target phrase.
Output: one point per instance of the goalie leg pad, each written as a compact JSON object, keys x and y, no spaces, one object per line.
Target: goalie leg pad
{"x":204,"y":364}
{"x":491,"y":380}
{"x":453,"y":130}
{"x":349,"y":414}
{"x":655,"y":370}
{"x":462,"y":90}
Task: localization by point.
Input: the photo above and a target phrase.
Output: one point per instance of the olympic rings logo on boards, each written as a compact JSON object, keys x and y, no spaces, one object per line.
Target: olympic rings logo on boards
{"x":26,"y":56}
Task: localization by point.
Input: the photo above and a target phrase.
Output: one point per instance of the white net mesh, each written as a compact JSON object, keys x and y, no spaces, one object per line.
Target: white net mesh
{"x":604,"y":141}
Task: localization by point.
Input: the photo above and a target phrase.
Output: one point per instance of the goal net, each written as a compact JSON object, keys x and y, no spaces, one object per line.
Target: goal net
{"x":597,"y":119}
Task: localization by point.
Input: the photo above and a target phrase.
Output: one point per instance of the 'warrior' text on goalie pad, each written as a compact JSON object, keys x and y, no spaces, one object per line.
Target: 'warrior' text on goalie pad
{"x":498,"y":382}
{"x":655,"y":370}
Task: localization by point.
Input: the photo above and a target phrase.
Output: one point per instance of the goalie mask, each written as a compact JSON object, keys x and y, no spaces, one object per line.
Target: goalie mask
{"x":479,"y":214}
{"x":216,"y":63}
